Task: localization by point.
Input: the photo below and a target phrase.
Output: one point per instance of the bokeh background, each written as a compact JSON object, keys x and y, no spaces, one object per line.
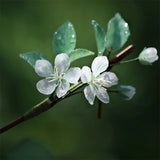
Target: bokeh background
{"x":128,"y":129}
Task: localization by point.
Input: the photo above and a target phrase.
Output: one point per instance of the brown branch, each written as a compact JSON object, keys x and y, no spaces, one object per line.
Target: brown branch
{"x":12,"y":124}
{"x":50,"y":102}
{"x":38,"y":109}
{"x":118,"y":57}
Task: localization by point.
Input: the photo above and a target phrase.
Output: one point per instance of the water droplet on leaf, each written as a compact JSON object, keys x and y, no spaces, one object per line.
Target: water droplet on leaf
{"x":126,"y":24}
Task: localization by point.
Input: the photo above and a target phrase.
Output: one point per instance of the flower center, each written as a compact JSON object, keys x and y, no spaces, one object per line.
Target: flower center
{"x":100,"y":82}
{"x":59,"y":78}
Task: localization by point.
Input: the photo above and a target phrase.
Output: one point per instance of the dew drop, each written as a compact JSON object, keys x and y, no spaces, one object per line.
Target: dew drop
{"x":69,"y":25}
{"x":100,"y":53}
{"x":73,"y":35}
{"x":93,"y":22}
{"x":126,"y":24}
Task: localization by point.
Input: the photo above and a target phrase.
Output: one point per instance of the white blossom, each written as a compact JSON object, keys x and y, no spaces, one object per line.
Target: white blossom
{"x":148,"y":56}
{"x":126,"y":91}
{"x":97,"y":81}
{"x":60,"y":76}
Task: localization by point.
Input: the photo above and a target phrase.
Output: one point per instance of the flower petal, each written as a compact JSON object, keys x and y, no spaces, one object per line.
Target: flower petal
{"x":102,"y":94}
{"x":46,"y":87}
{"x":62,"y":62}
{"x":43,"y":68}
{"x":62,"y":88}
{"x":148,"y":56}
{"x":89,"y":94}
{"x":86,"y":74}
{"x":127,"y":92}
{"x":73,"y":75}
{"x":99,"y":65}
{"x":108,"y":79}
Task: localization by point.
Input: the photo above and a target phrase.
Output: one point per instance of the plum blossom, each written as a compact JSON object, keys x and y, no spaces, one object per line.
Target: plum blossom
{"x":97,"y":80}
{"x":148,"y":56}
{"x":60,"y":76}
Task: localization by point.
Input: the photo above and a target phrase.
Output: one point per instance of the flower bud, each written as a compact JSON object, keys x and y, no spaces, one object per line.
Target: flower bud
{"x":126,"y":92}
{"x":148,"y":56}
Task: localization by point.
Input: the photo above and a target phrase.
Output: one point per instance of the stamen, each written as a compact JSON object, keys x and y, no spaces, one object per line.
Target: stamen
{"x":50,"y":81}
{"x":62,"y":70}
{"x":57,"y":69}
{"x":108,"y":82}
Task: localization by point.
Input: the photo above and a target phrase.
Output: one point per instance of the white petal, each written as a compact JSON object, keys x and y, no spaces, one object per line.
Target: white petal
{"x":102,"y":94}
{"x":108,"y":79}
{"x":46,"y":87}
{"x":89,"y":94}
{"x":99,"y":65}
{"x":148,"y":56}
{"x":43,"y":68}
{"x":151,"y":50}
{"x":126,"y":91}
{"x":86,"y":74}
{"x":73,"y":75}
{"x":62,"y":88}
{"x":62,"y":62}
{"x":152,"y":58}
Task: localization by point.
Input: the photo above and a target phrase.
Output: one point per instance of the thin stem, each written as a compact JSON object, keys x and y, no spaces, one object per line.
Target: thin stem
{"x":109,"y":52}
{"x":112,"y":90}
{"x":76,"y":93}
{"x":99,"y":109}
{"x":130,"y":60}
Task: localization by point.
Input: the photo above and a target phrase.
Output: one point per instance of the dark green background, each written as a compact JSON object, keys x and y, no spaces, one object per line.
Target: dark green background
{"x":71,"y":130}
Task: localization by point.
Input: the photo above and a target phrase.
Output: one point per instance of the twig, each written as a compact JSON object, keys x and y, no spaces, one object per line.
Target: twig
{"x":51,"y":101}
{"x":118,"y":57}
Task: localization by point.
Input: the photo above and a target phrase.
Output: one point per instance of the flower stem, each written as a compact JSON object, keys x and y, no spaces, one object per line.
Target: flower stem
{"x":130,"y":60}
{"x":99,"y":109}
{"x":112,"y":90}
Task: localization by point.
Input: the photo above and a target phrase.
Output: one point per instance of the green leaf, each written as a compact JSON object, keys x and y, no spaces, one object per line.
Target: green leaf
{"x":117,"y":33}
{"x":29,"y":150}
{"x":100,"y":37}
{"x":64,"y":40}
{"x":79,"y":53}
{"x":32,"y":57}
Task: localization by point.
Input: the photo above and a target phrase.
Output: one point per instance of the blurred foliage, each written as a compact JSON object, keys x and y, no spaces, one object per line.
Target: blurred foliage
{"x":71,"y":130}
{"x":29,"y":150}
